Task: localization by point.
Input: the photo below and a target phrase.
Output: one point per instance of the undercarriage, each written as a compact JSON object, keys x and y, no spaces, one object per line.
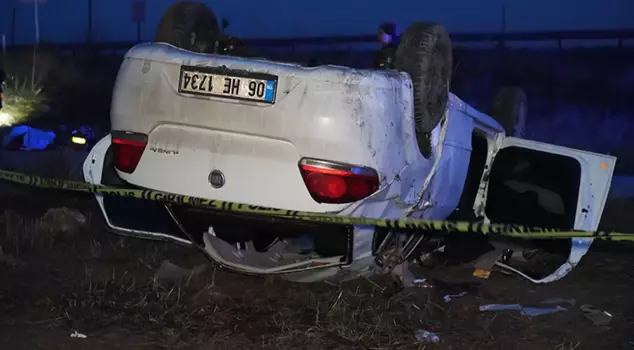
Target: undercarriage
{"x":309,"y":252}
{"x":303,"y":251}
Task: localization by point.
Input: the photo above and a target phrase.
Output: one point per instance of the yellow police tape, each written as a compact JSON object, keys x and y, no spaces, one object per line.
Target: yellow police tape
{"x":510,"y":230}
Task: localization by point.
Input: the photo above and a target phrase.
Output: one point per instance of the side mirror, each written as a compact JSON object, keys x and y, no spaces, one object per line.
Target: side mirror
{"x":225,"y":24}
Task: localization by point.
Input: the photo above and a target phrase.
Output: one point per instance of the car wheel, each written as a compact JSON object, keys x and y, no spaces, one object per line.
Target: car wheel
{"x":509,"y":109}
{"x":189,"y":25}
{"x":424,"y":52}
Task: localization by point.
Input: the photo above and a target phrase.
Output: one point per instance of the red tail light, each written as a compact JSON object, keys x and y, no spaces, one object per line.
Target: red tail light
{"x":127,"y":150}
{"x":329,"y":182}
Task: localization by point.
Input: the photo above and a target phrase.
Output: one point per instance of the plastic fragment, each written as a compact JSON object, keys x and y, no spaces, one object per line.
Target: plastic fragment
{"x":448,"y":297}
{"x":579,"y":248}
{"x":76,"y":334}
{"x":532,"y":311}
{"x":422,"y":283}
{"x":422,"y":335}
{"x":484,"y":274}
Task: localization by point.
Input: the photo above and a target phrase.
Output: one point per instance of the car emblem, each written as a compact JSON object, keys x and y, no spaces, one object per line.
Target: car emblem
{"x":216,"y":179}
{"x":147,"y":65}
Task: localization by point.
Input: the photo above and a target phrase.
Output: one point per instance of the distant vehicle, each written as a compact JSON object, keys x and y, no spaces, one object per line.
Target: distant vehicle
{"x":328,"y":139}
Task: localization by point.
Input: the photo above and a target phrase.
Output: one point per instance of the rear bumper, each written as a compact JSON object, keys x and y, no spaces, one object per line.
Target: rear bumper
{"x":215,"y":233}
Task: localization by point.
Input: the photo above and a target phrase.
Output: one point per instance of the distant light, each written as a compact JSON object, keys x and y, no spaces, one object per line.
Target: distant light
{"x":604,"y":166}
{"x":5,"y":119}
{"x":78,"y":140}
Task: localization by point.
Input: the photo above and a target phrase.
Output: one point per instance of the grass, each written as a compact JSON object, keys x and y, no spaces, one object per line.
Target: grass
{"x":285,"y":318}
{"x":46,"y":84}
{"x":25,"y":96}
{"x":23,"y":99}
{"x":109,"y":288}
{"x":118,"y":288}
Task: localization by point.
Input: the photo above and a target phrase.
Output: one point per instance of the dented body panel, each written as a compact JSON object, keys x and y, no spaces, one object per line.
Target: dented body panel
{"x":319,"y":112}
{"x":359,"y":117}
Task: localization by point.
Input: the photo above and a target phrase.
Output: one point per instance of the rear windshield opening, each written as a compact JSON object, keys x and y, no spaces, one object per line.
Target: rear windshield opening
{"x":533,"y":188}
{"x":477,"y":161}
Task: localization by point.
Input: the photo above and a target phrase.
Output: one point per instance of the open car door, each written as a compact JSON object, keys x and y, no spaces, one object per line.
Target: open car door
{"x":542,"y":185}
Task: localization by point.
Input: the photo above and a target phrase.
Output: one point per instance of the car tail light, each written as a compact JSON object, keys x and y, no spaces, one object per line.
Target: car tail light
{"x":329,"y":182}
{"x":127,"y":150}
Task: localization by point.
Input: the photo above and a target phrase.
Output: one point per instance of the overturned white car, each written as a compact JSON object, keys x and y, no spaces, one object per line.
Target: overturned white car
{"x":328,"y":139}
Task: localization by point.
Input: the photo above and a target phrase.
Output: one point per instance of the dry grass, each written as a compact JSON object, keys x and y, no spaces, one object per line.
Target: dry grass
{"x":36,"y":77}
{"x":25,"y":97}
{"x":106,"y":287}
{"x":114,"y":288}
{"x":284,"y":316}
{"x":23,"y":100}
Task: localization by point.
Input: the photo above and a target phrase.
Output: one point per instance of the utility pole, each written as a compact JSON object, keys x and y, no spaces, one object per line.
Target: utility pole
{"x":90,"y":21}
{"x":138,"y":16}
{"x":503,"y":25}
{"x":36,"y":18}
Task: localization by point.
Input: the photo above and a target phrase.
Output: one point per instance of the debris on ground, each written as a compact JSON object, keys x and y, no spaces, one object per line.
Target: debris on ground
{"x":76,"y":334}
{"x":399,"y":284}
{"x":26,"y":138}
{"x":599,"y":318}
{"x":168,"y":271}
{"x":403,"y":273}
{"x":451,"y":290}
{"x":448,"y":297}
{"x":424,"y":336}
{"x":555,"y":306}
{"x":421,"y":283}
{"x":64,"y":220}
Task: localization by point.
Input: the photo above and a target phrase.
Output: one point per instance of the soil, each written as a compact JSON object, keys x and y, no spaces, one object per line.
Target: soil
{"x":106,"y":287}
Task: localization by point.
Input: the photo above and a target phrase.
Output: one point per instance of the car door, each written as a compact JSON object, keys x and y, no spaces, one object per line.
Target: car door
{"x":543,"y":185}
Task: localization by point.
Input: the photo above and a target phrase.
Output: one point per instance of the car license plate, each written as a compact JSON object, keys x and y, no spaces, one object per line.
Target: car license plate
{"x":233,"y":84}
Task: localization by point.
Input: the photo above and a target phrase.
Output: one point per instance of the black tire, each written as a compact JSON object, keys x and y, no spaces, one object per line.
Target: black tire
{"x":189,"y":25}
{"x":425,"y":53}
{"x":510,"y":109}
{"x":232,"y":46}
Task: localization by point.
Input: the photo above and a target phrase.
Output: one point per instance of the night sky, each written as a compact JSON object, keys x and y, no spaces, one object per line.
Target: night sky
{"x":66,"y":20}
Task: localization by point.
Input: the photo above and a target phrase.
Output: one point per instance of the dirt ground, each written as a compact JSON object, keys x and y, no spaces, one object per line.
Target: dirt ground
{"x":59,"y":280}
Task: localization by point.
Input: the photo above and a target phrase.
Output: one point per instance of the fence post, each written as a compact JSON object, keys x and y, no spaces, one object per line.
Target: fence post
{"x":90,"y":21}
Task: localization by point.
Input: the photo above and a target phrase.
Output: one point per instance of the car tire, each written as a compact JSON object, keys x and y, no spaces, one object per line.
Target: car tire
{"x":425,"y":53}
{"x":510,"y":109}
{"x":189,"y":25}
